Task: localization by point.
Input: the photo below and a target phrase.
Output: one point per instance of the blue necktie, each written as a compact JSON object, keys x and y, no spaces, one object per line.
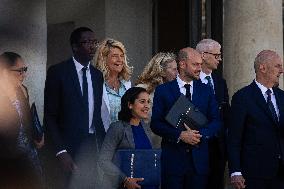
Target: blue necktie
{"x":210,"y":83}
{"x":271,"y":106}
{"x":188,"y":94}
{"x":85,"y":91}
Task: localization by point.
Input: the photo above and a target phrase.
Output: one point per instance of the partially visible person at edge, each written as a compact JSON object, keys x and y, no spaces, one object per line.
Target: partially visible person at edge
{"x":19,"y":163}
{"x":19,"y":69}
{"x":130,"y":132}
{"x":161,"y":68}
{"x":111,"y":60}
{"x":210,"y":51}
{"x":256,"y":132}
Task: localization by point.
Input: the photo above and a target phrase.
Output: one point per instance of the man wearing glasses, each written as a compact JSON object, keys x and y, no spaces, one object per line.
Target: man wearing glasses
{"x":210,"y":51}
{"x":72,"y":112}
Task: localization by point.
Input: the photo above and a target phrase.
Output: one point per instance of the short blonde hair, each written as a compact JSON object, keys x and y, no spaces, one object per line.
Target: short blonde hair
{"x":100,"y":58}
{"x":154,"y":72}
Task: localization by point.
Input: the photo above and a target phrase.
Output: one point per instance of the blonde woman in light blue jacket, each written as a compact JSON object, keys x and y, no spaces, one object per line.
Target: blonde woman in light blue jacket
{"x":112,"y":61}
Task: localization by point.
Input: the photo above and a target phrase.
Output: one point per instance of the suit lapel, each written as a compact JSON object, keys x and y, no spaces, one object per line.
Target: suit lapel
{"x":147,"y":132}
{"x":280,"y":106}
{"x":175,"y":91}
{"x":196,"y":91}
{"x":74,"y":77}
{"x":216,"y":86}
{"x":261,"y":101}
{"x":129,"y":134}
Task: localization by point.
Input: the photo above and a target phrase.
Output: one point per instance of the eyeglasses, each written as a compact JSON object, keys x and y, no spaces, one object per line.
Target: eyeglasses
{"x":21,"y":70}
{"x":217,"y":56}
{"x":95,"y":42}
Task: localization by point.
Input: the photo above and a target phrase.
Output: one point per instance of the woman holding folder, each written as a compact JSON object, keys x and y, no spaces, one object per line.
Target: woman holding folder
{"x":130,"y":132}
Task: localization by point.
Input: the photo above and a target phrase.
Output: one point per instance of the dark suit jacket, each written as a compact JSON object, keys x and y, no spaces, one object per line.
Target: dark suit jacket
{"x":255,"y":140}
{"x":222,"y":97}
{"x":65,"y":116}
{"x":174,"y":155}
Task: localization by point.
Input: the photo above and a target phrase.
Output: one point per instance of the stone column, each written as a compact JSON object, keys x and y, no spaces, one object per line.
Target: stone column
{"x":249,"y":27}
{"x":23,"y":30}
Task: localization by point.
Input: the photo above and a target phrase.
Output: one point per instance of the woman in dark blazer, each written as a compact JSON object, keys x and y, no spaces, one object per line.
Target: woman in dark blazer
{"x":130,"y":132}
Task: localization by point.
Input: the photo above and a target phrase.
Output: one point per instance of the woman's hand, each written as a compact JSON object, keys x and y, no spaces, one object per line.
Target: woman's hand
{"x":40,"y":143}
{"x":131,"y":183}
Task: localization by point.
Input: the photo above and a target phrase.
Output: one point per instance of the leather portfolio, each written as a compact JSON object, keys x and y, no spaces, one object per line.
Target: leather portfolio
{"x":137,"y":163}
{"x":184,"y":111}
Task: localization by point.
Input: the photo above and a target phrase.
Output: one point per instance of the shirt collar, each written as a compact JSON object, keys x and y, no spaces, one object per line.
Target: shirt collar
{"x":263,"y":88}
{"x":203,"y":75}
{"x":79,"y":66}
{"x":181,"y":83}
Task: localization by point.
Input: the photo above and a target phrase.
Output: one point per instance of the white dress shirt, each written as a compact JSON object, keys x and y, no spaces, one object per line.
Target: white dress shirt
{"x":182,"y":89}
{"x":79,"y":70}
{"x":273,"y":99}
{"x":204,"y":80}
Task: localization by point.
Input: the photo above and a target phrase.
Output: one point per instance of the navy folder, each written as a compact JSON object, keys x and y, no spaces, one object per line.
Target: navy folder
{"x":137,"y":163}
{"x":37,"y":128}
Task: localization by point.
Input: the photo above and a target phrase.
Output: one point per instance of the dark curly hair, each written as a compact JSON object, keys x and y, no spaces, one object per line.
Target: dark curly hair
{"x":129,"y":97}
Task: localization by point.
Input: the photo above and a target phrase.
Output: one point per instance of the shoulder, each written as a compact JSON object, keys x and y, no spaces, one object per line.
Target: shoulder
{"x":278,"y":91}
{"x":60,"y":66}
{"x":202,"y":86}
{"x":166,"y":86}
{"x":244,"y":92}
{"x":117,"y":127}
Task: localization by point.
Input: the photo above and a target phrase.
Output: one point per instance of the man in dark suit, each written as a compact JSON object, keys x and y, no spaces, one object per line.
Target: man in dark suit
{"x":185,"y":151}
{"x":256,"y":132}
{"x":72,"y":112}
{"x":210,"y":51}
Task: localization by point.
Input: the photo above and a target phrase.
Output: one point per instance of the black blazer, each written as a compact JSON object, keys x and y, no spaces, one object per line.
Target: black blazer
{"x":255,"y":139}
{"x":65,"y":116}
{"x":222,"y":97}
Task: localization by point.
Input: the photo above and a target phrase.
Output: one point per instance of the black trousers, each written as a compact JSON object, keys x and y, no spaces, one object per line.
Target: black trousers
{"x":274,"y":183}
{"x":86,"y":161}
{"x":217,"y":163}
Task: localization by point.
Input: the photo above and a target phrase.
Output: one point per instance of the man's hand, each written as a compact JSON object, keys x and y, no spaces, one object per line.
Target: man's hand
{"x":131,"y":183}
{"x":190,"y":136}
{"x":238,"y":182}
{"x":67,"y":162}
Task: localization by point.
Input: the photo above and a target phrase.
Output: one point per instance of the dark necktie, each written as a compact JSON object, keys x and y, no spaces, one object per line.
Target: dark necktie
{"x":85,"y":91}
{"x":270,"y":105}
{"x":209,"y":82}
{"x":188,"y":94}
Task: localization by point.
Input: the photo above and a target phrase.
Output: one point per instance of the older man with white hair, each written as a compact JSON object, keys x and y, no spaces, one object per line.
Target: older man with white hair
{"x":210,"y":51}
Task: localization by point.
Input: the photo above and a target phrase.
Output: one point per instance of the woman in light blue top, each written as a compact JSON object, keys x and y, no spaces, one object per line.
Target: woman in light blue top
{"x":111,"y":60}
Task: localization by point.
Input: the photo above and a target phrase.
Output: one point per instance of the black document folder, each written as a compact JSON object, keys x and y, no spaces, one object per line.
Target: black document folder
{"x":184,"y":111}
